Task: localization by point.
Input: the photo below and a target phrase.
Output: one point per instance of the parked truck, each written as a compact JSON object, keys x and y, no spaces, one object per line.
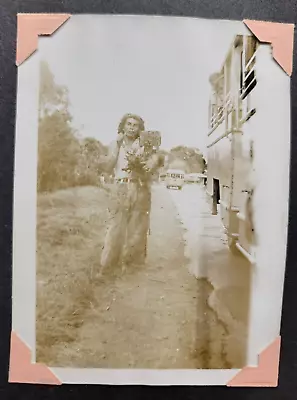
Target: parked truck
{"x":237,"y":111}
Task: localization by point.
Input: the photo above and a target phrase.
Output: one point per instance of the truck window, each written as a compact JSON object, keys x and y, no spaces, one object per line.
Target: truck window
{"x":248,"y":76}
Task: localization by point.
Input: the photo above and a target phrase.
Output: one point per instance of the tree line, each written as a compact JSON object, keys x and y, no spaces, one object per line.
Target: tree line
{"x":64,"y":160}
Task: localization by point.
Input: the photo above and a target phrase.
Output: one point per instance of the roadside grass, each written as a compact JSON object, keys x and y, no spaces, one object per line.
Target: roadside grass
{"x":71,"y":226}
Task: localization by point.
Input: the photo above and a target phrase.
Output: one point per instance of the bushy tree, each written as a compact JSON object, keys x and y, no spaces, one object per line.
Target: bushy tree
{"x":58,"y":153}
{"x":58,"y":147}
{"x":91,"y":166}
{"x":188,"y":158}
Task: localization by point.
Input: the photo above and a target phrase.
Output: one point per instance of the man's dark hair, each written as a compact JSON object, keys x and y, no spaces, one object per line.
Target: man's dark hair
{"x":134,"y":116}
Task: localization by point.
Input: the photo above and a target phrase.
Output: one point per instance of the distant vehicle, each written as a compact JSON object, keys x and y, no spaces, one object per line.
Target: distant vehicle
{"x":191,"y":178}
{"x":194,"y":178}
{"x":175,"y":178}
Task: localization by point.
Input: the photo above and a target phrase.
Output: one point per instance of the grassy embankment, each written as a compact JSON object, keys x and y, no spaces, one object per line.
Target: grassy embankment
{"x":70,"y":235}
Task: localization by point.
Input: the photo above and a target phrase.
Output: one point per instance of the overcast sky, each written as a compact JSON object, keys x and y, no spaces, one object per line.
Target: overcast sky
{"x":157,"y":67}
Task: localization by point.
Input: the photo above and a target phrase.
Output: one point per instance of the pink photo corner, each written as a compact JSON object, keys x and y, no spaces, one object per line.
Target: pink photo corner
{"x":281,"y":38}
{"x":265,"y":374}
{"x":30,"y":26}
{"x":22,"y":370}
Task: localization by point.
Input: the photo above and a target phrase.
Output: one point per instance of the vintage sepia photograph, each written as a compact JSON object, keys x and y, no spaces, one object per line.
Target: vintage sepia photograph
{"x":153,"y":147}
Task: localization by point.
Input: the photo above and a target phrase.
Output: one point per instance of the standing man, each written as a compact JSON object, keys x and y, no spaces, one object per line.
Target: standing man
{"x":126,"y":238}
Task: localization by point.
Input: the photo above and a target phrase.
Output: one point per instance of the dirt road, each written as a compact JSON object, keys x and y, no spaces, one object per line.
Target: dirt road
{"x":154,"y":317}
